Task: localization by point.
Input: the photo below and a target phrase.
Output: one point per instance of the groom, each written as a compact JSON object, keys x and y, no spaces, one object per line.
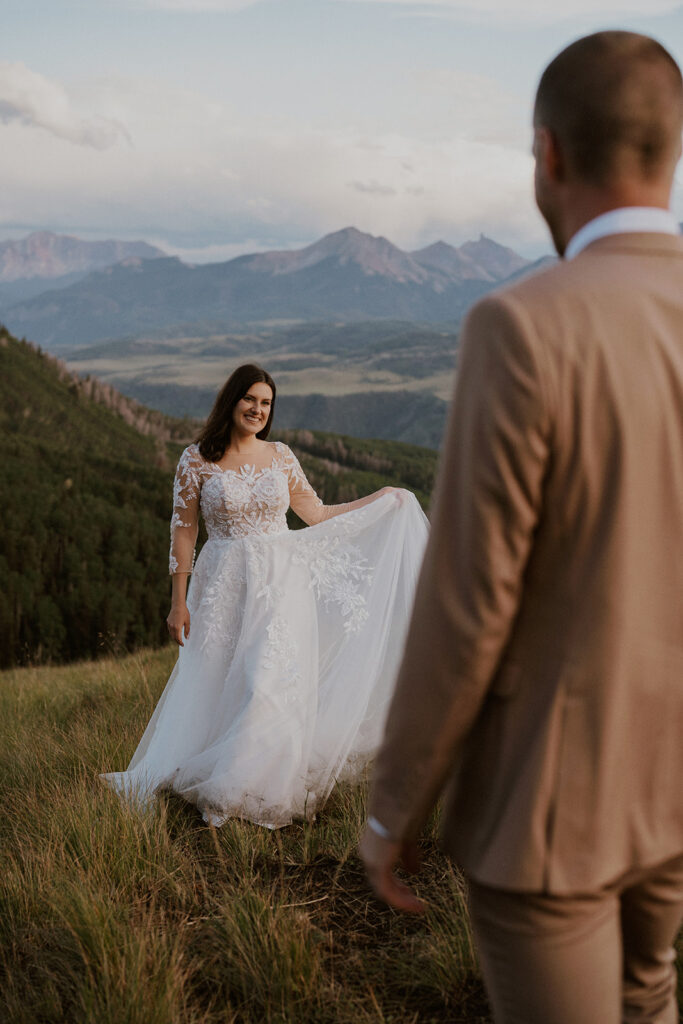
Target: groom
{"x":542,"y":681}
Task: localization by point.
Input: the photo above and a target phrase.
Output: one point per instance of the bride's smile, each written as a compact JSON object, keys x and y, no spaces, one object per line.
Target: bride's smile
{"x":252,"y":411}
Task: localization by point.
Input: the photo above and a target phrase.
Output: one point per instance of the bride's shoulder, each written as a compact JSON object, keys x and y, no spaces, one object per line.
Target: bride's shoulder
{"x":286,"y":457}
{"x":280,"y":448}
{"x":191,"y":456}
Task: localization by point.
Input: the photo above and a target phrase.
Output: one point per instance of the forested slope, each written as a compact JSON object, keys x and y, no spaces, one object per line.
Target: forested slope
{"x":342,"y":468}
{"x":85,"y":493}
{"x":85,"y":500}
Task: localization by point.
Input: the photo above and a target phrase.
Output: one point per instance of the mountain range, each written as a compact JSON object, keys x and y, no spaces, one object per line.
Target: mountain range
{"x":45,"y":261}
{"x":43,"y":254}
{"x":347,"y":275}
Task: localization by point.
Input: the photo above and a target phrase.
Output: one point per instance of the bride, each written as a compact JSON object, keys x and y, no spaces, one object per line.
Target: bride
{"x":289,"y":641}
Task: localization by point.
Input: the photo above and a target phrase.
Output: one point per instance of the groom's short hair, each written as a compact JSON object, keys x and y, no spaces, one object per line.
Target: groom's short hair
{"x":614,"y":101}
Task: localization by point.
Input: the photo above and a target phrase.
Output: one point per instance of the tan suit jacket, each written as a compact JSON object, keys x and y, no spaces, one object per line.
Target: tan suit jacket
{"x":542,"y":681}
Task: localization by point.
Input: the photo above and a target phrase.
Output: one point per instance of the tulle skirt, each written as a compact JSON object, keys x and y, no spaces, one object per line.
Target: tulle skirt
{"x":283,"y":685}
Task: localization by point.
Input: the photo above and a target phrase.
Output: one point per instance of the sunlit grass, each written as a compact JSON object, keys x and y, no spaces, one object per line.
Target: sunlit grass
{"x":110,"y":918}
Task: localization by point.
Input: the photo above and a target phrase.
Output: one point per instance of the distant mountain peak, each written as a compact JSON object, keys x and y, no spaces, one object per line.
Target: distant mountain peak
{"x":484,"y":240}
{"x":348,"y":232}
{"x":44,"y":254}
{"x":436,"y":248}
{"x":373,"y":255}
{"x":481,"y":260}
{"x":498,"y":260}
{"x":351,"y":238}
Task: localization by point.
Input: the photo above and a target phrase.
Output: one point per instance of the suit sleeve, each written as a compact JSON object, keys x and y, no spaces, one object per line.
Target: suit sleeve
{"x":487,"y":503}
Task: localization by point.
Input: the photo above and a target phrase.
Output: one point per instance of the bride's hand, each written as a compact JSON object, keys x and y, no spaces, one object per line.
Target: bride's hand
{"x":178,"y":621}
{"x":399,"y":493}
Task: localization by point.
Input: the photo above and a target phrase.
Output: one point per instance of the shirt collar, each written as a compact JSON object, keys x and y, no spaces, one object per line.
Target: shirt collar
{"x":623,"y":221}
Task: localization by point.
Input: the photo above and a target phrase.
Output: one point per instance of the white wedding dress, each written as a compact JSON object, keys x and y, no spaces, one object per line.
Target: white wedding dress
{"x":295,"y":638}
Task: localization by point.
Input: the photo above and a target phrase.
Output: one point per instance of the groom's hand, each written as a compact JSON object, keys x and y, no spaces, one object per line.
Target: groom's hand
{"x":380,"y":857}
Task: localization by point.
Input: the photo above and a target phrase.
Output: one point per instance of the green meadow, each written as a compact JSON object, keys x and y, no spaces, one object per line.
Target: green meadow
{"x":109,"y":918}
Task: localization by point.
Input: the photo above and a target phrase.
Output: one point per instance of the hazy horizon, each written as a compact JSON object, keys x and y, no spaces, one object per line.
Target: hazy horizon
{"x":214,"y":128}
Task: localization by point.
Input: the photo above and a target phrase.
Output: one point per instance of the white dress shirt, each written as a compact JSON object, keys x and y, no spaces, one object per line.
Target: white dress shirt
{"x":620,"y":222}
{"x":379,"y":828}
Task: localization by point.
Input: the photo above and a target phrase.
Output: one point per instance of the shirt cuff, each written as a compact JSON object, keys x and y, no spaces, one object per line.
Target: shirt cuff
{"x":379,"y":828}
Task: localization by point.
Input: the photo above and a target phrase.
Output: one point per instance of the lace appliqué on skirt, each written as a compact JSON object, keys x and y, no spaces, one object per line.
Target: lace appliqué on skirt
{"x":337,"y":570}
{"x":280,"y":655}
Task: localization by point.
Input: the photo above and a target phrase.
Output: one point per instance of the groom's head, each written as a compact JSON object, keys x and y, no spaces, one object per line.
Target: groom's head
{"x":607,"y":128}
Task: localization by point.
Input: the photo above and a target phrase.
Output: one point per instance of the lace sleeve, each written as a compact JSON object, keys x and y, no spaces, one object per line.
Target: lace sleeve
{"x":185,"y":518}
{"x":303,"y":498}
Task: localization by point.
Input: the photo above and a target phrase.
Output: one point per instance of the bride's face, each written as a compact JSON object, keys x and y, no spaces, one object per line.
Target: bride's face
{"x":251,"y":413}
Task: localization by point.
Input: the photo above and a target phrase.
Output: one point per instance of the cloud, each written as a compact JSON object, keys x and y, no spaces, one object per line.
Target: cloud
{"x":30,"y":99}
{"x":206,"y":174}
{"x":221,"y":253}
{"x":200,"y":5}
{"x":230,"y":185}
{"x":372,"y":188}
{"x":469,"y":105}
{"x":209,"y":180}
{"x":536,"y":9}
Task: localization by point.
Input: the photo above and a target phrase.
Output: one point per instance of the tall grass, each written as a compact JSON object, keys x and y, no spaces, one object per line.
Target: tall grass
{"x":109,"y":918}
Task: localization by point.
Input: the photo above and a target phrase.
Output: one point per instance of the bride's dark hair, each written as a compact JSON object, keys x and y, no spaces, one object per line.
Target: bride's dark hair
{"x":215,"y":437}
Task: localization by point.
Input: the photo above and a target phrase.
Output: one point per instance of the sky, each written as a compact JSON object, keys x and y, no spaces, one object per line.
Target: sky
{"x":212,"y":128}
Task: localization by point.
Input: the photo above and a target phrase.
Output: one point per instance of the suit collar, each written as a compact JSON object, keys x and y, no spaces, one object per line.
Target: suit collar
{"x":653,"y":242}
{"x":622,"y":220}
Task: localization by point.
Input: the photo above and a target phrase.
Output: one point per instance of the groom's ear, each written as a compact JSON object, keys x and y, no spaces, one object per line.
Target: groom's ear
{"x":548,"y":154}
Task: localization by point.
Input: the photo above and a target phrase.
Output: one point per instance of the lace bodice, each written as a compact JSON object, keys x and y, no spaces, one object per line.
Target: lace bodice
{"x":239,"y":502}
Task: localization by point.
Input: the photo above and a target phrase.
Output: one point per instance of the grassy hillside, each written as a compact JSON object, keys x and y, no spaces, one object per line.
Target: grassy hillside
{"x":86,"y":496}
{"x":109,"y":919}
